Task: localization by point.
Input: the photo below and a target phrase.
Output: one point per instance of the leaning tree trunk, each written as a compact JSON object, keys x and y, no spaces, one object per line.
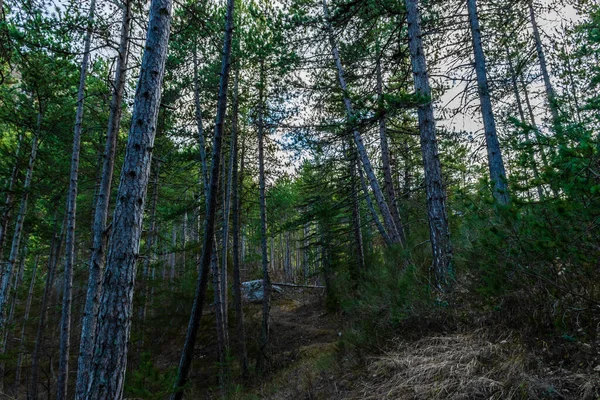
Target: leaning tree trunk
{"x":495,"y":162}
{"x":543,"y":67}
{"x":439,"y":231}
{"x":55,"y":250}
{"x":65,"y":324}
{"x":211,"y":207}
{"x":107,"y":374}
{"x":395,"y":235}
{"x":100,"y":233}
{"x":236,"y":189}
{"x":371,"y":207}
{"x":261,"y":358}
{"x":515,"y":87}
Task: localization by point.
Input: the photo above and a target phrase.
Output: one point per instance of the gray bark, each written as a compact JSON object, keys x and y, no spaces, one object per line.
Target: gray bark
{"x":391,"y":228}
{"x":100,"y":233}
{"x":388,"y":182}
{"x":495,"y":162}
{"x":439,"y":231}
{"x":65,"y":324}
{"x":236,"y":195}
{"x":356,"y":220}
{"x":199,"y":125}
{"x":543,"y":67}
{"x":211,"y":207}
{"x":262,"y":356}
{"x":515,"y":86}
{"x":107,"y":374}
{"x":371,"y":207}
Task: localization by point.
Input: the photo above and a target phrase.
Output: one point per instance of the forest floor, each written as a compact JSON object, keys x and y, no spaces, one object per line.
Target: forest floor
{"x":312,"y":360}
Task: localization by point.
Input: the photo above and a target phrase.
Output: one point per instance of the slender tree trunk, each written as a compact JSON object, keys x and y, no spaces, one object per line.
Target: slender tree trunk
{"x":388,"y":182}
{"x":534,"y":125}
{"x":227,"y":205}
{"x":395,"y":235}
{"x":515,"y":86}
{"x":264,"y":333}
{"x":371,"y":207}
{"x":107,"y":375}
{"x":55,"y":250}
{"x":16,"y":241}
{"x":211,"y":207}
{"x":65,"y":334}
{"x":236,"y":189}
{"x":495,"y":162}
{"x":553,"y":105}
{"x":439,"y":231}
{"x":25,"y":321}
{"x":199,"y":125}
{"x":100,"y":233}
{"x":356,"y":223}
{"x":219,"y":316}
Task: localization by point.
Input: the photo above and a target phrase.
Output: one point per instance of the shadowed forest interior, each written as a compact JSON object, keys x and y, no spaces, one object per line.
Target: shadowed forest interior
{"x":299,"y":199}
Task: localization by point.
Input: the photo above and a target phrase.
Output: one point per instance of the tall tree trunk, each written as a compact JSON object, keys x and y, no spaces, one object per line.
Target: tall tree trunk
{"x":211,"y":207}
{"x":107,"y":375}
{"x":439,"y":231}
{"x":356,"y":220}
{"x":198,"y":113}
{"x":25,"y":321}
{"x":100,"y":233}
{"x":395,"y":235}
{"x":227,"y":204}
{"x":371,"y":207}
{"x":55,"y":250}
{"x":236,"y":194}
{"x":541,"y":141}
{"x":495,"y":162}
{"x":262,"y":356}
{"x":16,"y":241}
{"x":388,"y":181}
{"x":65,"y":324}
{"x":553,"y":105}
{"x":517,"y":93}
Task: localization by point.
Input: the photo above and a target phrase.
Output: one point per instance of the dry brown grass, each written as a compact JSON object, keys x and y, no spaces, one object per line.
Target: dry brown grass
{"x":470,"y":366}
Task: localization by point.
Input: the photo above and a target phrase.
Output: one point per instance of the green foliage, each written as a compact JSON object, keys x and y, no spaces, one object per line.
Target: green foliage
{"x":148,"y":381}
